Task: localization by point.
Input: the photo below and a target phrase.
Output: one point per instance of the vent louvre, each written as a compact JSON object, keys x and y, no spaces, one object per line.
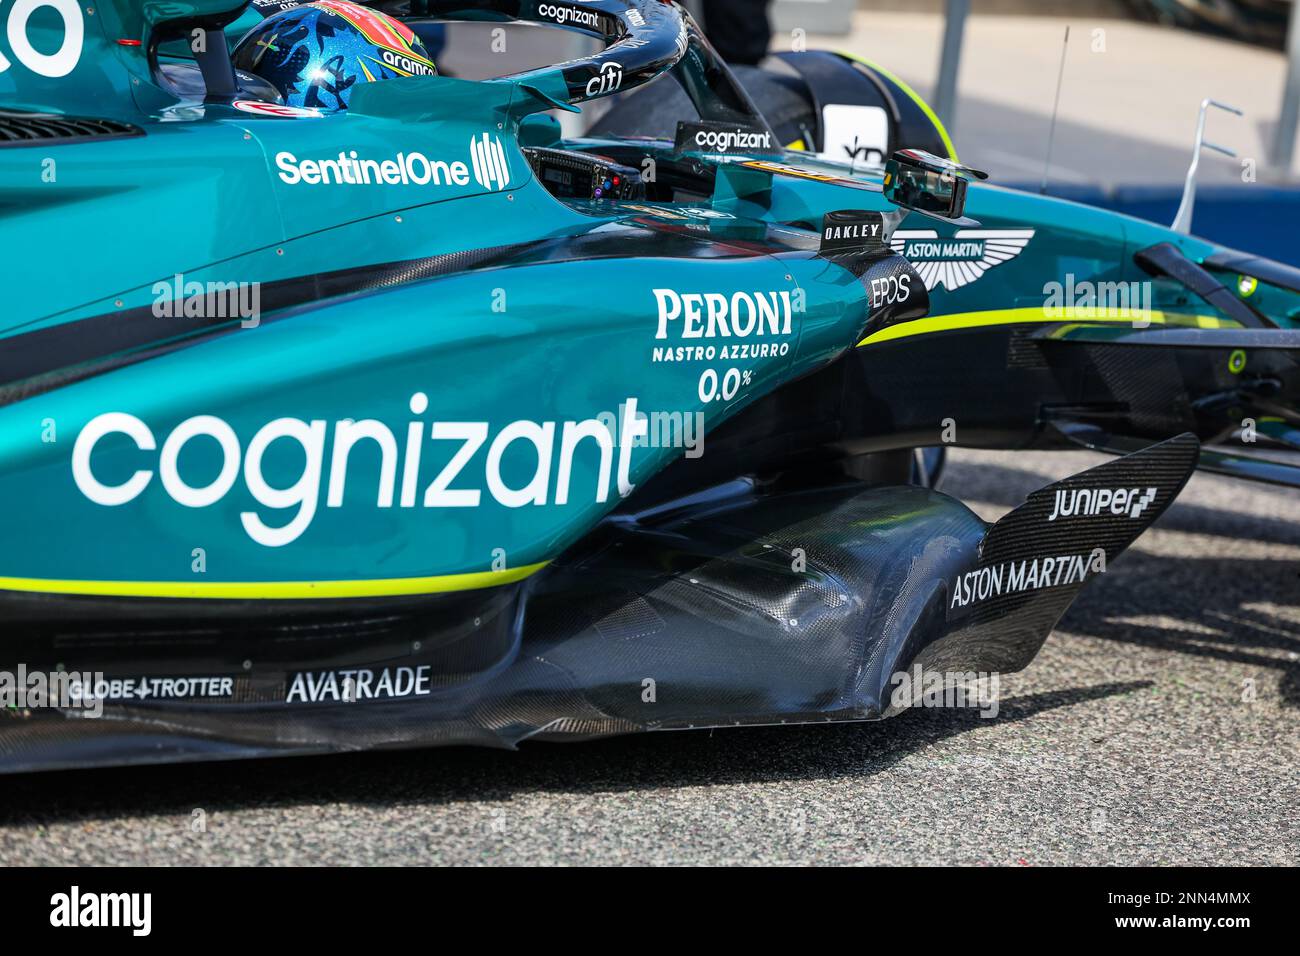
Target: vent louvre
{"x":29,"y":129}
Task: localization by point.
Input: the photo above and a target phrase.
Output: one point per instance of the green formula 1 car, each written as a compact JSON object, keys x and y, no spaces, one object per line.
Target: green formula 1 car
{"x":343,"y":404}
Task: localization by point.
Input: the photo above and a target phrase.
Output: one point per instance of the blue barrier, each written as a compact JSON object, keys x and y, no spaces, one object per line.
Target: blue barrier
{"x":1251,"y":217}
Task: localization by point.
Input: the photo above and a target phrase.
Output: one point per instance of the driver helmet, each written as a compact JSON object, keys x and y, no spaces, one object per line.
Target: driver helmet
{"x":315,"y":53}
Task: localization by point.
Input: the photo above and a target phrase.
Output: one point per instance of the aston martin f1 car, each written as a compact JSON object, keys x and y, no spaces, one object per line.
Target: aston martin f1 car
{"x":414,"y":422}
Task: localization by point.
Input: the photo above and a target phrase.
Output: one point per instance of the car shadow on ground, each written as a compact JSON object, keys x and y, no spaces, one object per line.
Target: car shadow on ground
{"x":1215,"y":608}
{"x":1208,"y":606}
{"x":450,"y":775}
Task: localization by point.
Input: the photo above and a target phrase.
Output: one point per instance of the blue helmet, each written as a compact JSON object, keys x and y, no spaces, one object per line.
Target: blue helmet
{"x":314,"y":54}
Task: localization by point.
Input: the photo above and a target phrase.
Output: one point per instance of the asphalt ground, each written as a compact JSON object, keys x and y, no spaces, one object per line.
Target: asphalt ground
{"x":1160,"y":725}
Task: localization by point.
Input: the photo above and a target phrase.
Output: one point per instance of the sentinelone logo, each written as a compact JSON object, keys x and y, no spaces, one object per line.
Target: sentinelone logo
{"x":74,"y":908}
{"x":491,"y":168}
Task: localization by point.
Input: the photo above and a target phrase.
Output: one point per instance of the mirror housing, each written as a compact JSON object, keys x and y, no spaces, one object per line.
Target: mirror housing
{"x":929,"y":184}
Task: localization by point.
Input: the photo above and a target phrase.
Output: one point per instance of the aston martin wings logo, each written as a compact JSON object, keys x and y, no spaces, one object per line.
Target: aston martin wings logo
{"x":953,"y":263}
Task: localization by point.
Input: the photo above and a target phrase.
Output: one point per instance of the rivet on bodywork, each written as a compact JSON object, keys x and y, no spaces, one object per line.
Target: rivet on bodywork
{"x":279,"y":252}
{"x":118,"y":303}
{"x":397,"y":219}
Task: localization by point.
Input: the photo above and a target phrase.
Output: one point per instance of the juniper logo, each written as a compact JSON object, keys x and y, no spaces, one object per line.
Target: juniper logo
{"x":1084,"y":502}
{"x":491,"y":168}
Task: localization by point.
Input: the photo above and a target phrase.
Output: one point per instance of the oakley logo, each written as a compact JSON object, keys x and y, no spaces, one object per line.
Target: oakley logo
{"x":491,"y":168}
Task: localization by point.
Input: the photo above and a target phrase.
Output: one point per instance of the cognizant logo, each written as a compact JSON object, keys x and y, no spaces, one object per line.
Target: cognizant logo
{"x":459,"y":483}
{"x":563,"y":13}
{"x":724,"y":141}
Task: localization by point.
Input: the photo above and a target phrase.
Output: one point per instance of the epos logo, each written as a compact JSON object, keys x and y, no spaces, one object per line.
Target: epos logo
{"x":63,"y":60}
{"x":608,"y":80}
{"x":890,"y":290}
{"x":491,"y":168}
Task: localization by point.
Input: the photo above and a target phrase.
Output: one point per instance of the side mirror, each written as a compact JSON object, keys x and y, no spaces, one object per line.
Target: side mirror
{"x":929,"y":184}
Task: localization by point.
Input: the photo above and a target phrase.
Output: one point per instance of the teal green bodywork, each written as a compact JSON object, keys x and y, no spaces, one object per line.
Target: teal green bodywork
{"x":91,"y":229}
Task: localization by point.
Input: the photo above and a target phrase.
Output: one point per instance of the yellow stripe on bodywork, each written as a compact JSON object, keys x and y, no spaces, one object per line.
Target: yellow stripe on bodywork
{"x":913,"y":95}
{"x":1035,"y":315}
{"x":276,"y":590}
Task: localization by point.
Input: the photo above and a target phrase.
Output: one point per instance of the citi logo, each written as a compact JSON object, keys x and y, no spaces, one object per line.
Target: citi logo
{"x":1085,"y":502}
{"x":608,"y":80}
{"x":491,"y":168}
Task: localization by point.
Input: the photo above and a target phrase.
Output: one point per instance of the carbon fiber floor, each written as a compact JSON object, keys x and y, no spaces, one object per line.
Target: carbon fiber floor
{"x":1133,"y":738}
